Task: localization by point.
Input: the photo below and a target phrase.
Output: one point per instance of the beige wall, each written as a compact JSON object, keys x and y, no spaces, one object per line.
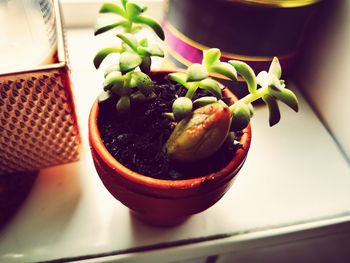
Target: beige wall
{"x":323,"y":69}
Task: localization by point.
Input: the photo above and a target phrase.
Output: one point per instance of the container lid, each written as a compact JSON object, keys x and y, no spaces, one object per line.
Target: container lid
{"x":278,"y":3}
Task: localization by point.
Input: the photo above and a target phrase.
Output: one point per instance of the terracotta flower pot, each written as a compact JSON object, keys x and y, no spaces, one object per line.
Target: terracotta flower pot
{"x":162,"y":202}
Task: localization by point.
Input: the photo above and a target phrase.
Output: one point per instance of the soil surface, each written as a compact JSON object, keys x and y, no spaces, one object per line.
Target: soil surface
{"x":136,"y":140}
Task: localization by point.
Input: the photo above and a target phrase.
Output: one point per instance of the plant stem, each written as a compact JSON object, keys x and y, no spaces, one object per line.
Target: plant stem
{"x":191,"y":89}
{"x":251,"y":97}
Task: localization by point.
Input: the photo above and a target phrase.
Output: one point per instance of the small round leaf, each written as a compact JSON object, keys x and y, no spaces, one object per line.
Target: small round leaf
{"x":129,"y":61}
{"x":240,"y":116}
{"x":211,"y":56}
{"x":196,"y":72}
{"x":182,"y":107}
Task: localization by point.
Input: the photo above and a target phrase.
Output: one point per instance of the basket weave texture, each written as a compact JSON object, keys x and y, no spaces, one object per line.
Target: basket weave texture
{"x":38,"y":126}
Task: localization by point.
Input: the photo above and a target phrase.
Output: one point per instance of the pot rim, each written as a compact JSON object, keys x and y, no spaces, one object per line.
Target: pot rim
{"x":97,"y":144}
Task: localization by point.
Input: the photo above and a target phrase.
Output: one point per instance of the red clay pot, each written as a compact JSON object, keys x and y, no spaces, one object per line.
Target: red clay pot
{"x":162,"y":202}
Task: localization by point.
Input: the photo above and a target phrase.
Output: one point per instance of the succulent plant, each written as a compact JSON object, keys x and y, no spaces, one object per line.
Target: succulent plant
{"x":122,"y":78}
{"x":197,"y":76}
{"x":202,"y":132}
{"x":202,"y":125}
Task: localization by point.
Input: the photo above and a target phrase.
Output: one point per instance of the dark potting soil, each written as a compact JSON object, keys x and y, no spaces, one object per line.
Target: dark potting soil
{"x":136,"y":140}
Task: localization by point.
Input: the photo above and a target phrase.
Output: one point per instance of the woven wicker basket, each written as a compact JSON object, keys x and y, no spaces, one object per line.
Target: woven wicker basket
{"x":38,"y":124}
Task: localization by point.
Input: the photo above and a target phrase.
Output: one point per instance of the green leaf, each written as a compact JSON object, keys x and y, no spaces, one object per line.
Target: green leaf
{"x":101,"y":28}
{"x":115,"y":81}
{"x":114,"y":67}
{"x":113,"y":8}
{"x":211,"y":56}
{"x":204,"y":101}
{"x":134,"y":10}
{"x":287,"y":97}
{"x":200,"y":134}
{"x":178,"y":77}
{"x":224,"y":69}
{"x":275,"y":68}
{"x":143,"y":82}
{"x":103,"y":53}
{"x":240,"y":116}
{"x":145,"y":65}
{"x":123,"y":105}
{"x":104,"y":97}
{"x":129,"y":39}
{"x":274,"y":83}
{"x":251,"y":110}
{"x":274,"y":112}
{"x":212,"y":86}
{"x":182,"y":107}
{"x":196,"y":72}
{"x":129,"y":61}
{"x":247,"y":73}
{"x":151,"y":50}
{"x":169,"y":116}
{"x":263,"y":79}
{"x":143,"y":42}
{"x":124,"y":2}
{"x":152,"y":24}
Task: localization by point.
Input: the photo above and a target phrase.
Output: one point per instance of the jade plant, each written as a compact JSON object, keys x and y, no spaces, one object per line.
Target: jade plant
{"x":202,"y":125}
{"x":121,"y":78}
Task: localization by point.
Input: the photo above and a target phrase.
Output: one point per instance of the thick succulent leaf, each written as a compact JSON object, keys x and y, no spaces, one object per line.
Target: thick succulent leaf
{"x":288,"y":98}
{"x":113,"y":8}
{"x":143,"y":42}
{"x":200,"y":134}
{"x":224,"y":69}
{"x":135,"y":28}
{"x":143,"y":82}
{"x":274,"y":83}
{"x":196,"y":72}
{"x":104,"y":97}
{"x":151,"y":50}
{"x":181,"y":108}
{"x":204,"y":101}
{"x":178,"y":77}
{"x":123,"y":105}
{"x":101,"y":28}
{"x":169,"y":116}
{"x":212,"y":86}
{"x":240,"y":116}
{"x":145,"y":65}
{"x":139,"y":96}
{"x":103,"y":53}
{"x":129,"y":39}
{"x":274,"y":112}
{"x":114,"y":67}
{"x":211,"y":56}
{"x":247,"y":73}
{"x":251,"y":109}
{"x":129,"y":61}
{"x":152,"y":24}
{"x":115,"y":81}
{"x":124,"y":2}
{"x":263,"y":79}
{"x":134,"y":10}
{"x":275,"y":68}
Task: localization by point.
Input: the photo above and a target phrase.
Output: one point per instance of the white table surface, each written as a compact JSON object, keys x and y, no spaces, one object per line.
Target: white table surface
{"x":294,"y":178}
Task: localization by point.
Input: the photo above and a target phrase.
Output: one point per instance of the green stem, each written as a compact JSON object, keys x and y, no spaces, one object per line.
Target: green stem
{"x":191,"y":89}
{"x":127,"y":28}
{"x":251,"y":97}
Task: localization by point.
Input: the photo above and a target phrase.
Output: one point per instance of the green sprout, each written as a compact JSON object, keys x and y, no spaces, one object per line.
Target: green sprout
{"x":197,"y":76}
{"x":202,"y":132}
{"x":122,"y":78}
